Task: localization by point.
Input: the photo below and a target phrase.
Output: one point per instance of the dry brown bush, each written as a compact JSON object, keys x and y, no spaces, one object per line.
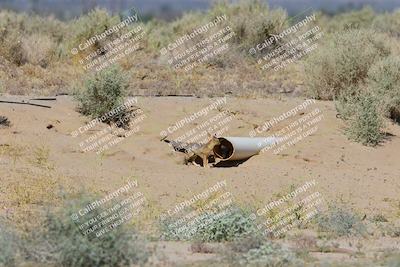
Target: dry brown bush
{"x":38,"y":49}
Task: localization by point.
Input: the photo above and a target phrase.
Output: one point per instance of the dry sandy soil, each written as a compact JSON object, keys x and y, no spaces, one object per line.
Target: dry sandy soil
{"x":363,"y":178}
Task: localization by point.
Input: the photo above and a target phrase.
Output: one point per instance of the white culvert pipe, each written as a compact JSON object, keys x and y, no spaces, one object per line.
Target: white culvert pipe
{"x":239,"y":148}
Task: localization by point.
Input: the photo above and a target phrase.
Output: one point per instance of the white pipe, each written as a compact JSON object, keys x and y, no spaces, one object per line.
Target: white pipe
{"x":239,"y":148}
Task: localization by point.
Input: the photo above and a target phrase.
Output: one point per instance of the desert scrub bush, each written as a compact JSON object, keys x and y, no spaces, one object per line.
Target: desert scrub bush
{"x":340,"y":222}
{"x":346,"y":102}
{"x":38,"y":49}
{"x":263,"y":23}
{"x":161,"y":34}
{"x":264,"y":253}
{"x":60,"y":242}
{"x":343,"y":61}
{"x":388,"y":22}
{"x":103,"y":92}
{"x":365,"y":125}
{"x":95,"y":22}
{"x":216,"y":226}
{"x":359,"y":19}
{"x":235,"y":223}
{"x":384,"y":81}
{"x":44,"y":37}
{"x":8,"y":245}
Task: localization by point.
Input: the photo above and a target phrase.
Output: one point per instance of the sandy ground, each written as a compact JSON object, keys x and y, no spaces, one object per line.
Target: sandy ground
{"x":364,"y":178}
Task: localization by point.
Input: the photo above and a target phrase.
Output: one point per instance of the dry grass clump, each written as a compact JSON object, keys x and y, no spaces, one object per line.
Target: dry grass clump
{"x":38,"y":49}
{"x":33,"y":189}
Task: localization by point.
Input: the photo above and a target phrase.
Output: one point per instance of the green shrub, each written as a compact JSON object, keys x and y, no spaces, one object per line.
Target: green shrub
{"x":266,"y":254}
{"x":343,"y":62}
{"x":346,"y":102}
{"x":8,"y":248}
{"x":384,"y":81}
{"x":234,"y":224}
{"x":341,"y":222}
{"x":61,"y":242}
{"x":366,"y":124}
{"x":103,"y":92}
{"x":224,"y":225}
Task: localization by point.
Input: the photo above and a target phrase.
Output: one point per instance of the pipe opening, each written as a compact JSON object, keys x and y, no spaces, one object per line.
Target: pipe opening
{"x":224,"y":150}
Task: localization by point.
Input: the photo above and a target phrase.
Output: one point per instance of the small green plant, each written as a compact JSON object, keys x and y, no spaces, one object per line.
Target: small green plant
{"x":8,"y":248}
{"x":235,"y":223}
{"x":262,"y":253}
{"x":365,"y":126}
{"x":104,"y":92}
{"x":341,"y":222}
{"x":216,"y":226}
{"x":61,"y":242}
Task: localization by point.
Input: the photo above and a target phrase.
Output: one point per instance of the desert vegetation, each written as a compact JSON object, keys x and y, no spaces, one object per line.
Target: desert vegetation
{"x":356,"y":66}
{"x":36,"y":59}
